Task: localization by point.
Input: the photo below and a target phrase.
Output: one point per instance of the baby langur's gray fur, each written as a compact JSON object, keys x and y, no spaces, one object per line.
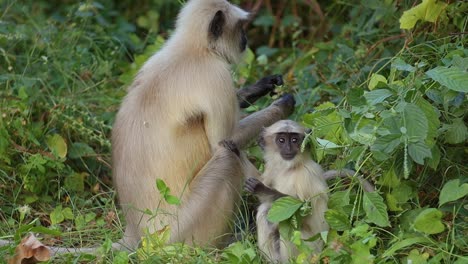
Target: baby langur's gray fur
{"x":180,"y":122}
{"x":288,"y":172}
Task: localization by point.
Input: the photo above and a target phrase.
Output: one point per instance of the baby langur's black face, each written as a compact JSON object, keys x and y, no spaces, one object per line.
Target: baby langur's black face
{"x":289,"y":144}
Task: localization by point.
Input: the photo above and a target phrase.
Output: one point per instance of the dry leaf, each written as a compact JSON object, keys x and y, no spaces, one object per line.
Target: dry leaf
{"x":30,"y":250}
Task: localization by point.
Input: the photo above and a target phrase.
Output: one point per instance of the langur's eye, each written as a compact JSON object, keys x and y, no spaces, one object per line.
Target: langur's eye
{"x":281,"y":140}
{"x":294,"y":140}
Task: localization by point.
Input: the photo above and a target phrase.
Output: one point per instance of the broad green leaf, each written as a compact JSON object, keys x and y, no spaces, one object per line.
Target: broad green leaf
{"x":375,"y":80}
{"x":355,"y":97}
{"x":375,"y":209}
{"x":90,"y":217}
{"x":452,"y":191}
{"x":377,"y":96}
{"x":57,"y":217}
{"x":386,"y":143}
{"x":434,"y":161}
{"x":57,"y":145}
{"x":417,"y":258}
{"x":453,"y":78}
{"x":428,"y":10}
{"x":361,"y":253}
{"x":283,"y":208}
{"x":80,"y":222}
{"x":392,"y":203}
{"x":404,"y":244}
{"x":326,"y":144}
{"x":79,"y":149}
{"x":429,"y":221}
{"x":433,"y":121}
{"x":401,"y":65}
{"x":456,"y":132}
{"x":415,"y":122}
{"x":120,"y":257}
{"x":337,"y":220}
{"x":338,"y":199}
{"x":418,"y":152}
{"x":68,"y":213}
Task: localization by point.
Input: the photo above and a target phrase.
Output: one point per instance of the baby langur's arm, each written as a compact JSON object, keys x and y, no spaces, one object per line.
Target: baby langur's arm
{"x":263,"y":192}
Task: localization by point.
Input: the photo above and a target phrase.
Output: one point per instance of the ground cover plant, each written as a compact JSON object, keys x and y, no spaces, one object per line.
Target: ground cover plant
{"x":382,"y":84}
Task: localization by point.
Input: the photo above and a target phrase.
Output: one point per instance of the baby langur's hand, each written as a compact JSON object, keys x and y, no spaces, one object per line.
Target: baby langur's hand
{"x":252,"y":185}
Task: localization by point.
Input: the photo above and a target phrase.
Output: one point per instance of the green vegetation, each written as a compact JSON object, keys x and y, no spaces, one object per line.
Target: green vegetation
{"x":383,"y":84}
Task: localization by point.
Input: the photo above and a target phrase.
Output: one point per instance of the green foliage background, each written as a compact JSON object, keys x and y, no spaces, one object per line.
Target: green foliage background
{"x":383,"y":85}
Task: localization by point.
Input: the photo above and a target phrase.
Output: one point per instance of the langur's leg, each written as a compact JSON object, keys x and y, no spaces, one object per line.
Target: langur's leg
{"x":211,"y":199}
{"x":250,"y":127}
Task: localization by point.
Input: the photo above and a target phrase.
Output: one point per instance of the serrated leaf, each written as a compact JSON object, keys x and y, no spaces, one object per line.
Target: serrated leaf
{"x":377,"y":96}
{"x":283,"y":208}
{"x":456,"y":132}
{"x":453,"y":78}
{"x":433,"y":121}
{"x":428,"y":10}
{"x":337,"y":220}
{"x":57,"y":145}
{"x":75,"y":182}
{"x":375,"y":209}
{"x":338,"y":199}
{"x":429,"y":221}
{"x":79,"y":149}
{"x":452,"y":191}
{"x":415,"y":122}
{"x":419,"y":151}
{"x":401,"y":65}
{"x":386,"y":143}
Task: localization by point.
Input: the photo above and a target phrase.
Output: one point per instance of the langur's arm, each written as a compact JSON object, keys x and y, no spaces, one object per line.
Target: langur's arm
{"x":248,"y":95}
{"x":331,"y":174}
{"x":264,"y":193}
{"x":249,"y":127}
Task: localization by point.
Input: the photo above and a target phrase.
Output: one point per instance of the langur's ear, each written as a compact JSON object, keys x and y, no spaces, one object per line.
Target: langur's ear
{"x":261,"y":139}
{"x":217,"y":25}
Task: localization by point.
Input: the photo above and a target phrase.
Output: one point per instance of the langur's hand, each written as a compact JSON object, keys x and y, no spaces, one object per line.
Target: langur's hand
{"x":268,"y":83}
{"x":252,"y":185}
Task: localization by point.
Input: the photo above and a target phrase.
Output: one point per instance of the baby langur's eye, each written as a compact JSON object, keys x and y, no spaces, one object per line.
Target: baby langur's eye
{"x":294,"y":140}
{"x":281,"y":140}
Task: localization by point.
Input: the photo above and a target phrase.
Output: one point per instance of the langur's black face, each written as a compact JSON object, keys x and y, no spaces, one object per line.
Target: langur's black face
{"x":289,"y":144}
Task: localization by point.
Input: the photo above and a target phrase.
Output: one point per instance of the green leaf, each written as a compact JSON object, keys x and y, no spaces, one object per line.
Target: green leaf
{"x":452,"y":191}
{"x":386,"y":143}
{"x":375,"y":209}
{"x":68,"y":213}
{"x":428,"y":10}
{"x":121,"y":257}
{"x":453,"y":78}
{"x":375,"y":80}
{"x":171,"y":199}
{"x":419,"y":151}
{"x":456,"y":132}
{"x":337,"y":220}
{"x":401,"y":65}
{"x":377,"y":96}
{"x":415,"y":122}
{"x":78,"y":150}
{"x":75,"y":182}
{"x":90,"y":217}
{"x":56,"y":217}
{"x":162,"y":187}
{"x":57,"y":145}
{"x":404,"y":244}
{"x":80,"y":222}
{"x":429,"y":221}
{"x":283,"y":208}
